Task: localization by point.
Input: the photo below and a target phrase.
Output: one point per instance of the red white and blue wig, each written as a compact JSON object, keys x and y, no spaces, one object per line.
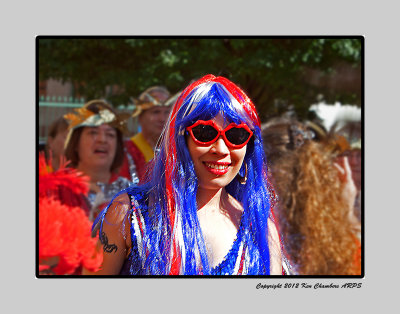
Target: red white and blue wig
{"x":176,"y":244}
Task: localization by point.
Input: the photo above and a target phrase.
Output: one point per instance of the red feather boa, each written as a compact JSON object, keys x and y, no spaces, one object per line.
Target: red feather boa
{"x":64,"y":229}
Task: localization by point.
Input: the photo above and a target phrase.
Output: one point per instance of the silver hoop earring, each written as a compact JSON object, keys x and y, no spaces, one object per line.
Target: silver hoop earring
{"x":243,"y":180}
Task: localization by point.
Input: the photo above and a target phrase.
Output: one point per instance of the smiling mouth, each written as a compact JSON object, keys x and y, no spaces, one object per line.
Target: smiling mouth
{"x":217,"y":168}
{"x":100,"y":151}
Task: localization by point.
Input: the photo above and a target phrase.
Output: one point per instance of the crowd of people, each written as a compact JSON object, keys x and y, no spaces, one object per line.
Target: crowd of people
{"x":204,"y":188}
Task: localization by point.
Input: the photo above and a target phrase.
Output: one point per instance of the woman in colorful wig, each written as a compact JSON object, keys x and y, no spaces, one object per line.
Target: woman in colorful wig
{"x":94,"y":146}
{"x":315,"y":200}
{"x":205,"y":207}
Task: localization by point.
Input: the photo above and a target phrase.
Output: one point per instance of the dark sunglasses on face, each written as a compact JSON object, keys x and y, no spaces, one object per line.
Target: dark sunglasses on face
{"x":205,"y":133}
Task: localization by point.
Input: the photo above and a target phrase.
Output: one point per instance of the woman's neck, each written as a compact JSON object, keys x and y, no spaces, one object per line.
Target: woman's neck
{"x":152,"y":141}
{"x":211,"y":199}
{"x":95,"y":175}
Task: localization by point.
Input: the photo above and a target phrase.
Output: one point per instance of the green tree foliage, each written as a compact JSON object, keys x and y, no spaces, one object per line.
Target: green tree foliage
{"x":277,"y":73}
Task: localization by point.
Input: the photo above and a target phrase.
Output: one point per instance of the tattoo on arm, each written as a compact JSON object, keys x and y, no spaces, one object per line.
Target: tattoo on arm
{"x":108,"y":248}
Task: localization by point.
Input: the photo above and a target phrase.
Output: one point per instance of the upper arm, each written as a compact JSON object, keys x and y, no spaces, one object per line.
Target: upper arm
{"x":114,"y":236}
{"x":275,"y":252}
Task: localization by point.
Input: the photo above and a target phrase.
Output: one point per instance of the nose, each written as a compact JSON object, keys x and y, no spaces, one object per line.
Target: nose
{"x":219,"y":147}
{"x":101,"y":136}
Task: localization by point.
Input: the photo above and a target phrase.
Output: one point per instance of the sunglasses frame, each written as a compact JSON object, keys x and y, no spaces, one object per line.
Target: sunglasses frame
{"x":221,"y":132}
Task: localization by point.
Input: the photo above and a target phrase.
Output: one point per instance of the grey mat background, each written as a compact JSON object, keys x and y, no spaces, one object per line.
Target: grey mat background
{"x":21,"y":22}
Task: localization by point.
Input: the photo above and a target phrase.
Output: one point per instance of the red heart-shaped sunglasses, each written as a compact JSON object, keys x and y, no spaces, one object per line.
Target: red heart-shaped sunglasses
{"x":205,"y":133}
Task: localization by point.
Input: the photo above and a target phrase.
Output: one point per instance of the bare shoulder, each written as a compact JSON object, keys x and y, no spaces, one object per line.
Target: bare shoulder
{"x":272,"y":230}
{"x":274,"y":249}
{"x":118,"y":209}
{"x":114,"y":235}
{"x":273,"y":236}
{"x":122,"y":199}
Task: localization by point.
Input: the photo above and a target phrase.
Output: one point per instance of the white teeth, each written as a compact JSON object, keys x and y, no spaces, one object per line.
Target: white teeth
{"x":218,"y":167}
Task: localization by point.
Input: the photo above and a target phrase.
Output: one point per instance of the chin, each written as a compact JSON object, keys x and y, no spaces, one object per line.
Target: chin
{"x":103,"y":165}
{"x":215,"y":184}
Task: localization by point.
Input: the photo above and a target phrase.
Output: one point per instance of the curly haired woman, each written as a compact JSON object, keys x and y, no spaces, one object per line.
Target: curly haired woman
{"x":315,"y":201}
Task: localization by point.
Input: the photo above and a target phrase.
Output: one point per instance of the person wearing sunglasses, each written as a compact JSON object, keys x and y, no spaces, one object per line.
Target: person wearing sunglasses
{"x":206,"y":207}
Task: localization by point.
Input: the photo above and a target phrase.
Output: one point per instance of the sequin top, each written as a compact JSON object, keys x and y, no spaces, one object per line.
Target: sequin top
{"x":235,"y":262}
{"x":99,"y":200}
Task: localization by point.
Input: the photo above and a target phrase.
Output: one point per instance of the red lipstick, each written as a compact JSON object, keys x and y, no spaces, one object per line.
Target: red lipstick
{"x":217,"y":168}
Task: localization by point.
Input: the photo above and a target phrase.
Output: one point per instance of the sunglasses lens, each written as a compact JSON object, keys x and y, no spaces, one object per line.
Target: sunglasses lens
{"x":237,"y":136}
{"x":204,"y":133}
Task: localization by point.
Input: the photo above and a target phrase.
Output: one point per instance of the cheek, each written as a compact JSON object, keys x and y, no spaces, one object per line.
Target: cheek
{"x":238,"y":155}
{"x":195,"y":151}
{"x":84,"y":146}
{"x":113,"y":145}
{"x":144,"y":118}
